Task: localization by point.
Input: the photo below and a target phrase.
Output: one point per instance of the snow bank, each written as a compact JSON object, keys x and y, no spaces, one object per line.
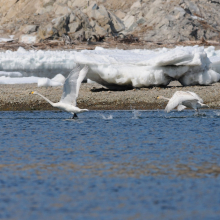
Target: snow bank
{"x":143,"y":68}
{"x":21,"y":80}
{"x":10,"y":74}
{"x":58,"y":80}
{"x":114,"y":67}
{"x":37,"y":63}
{"x":7,"y":39}
{"x":16,"y":78}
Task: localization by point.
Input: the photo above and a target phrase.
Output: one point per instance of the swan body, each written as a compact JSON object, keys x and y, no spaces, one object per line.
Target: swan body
{"x":182,"y":100}
{"x":70,"y":92}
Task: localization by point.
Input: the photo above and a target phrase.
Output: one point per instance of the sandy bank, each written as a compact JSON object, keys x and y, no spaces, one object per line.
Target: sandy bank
{"x":97,"y":97}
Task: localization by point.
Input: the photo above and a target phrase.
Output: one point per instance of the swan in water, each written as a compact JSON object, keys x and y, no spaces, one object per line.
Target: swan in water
{"x":70,"y":91}
{"x":182,"y":100}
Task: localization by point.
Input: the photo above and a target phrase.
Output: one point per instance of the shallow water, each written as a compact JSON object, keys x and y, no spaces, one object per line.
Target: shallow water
{"x":110,"y":165}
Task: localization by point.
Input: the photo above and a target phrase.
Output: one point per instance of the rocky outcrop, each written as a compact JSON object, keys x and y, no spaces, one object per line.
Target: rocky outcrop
{"x":147,"y":20}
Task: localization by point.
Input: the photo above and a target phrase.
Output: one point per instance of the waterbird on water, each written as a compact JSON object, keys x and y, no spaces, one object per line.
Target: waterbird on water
{"x":70,"y":91}
{"x":182,"y":100}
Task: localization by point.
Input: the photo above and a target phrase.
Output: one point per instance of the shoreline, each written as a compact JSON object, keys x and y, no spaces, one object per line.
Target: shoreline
{"x":93,"y":96}
{"x":17,"y":97}
{"x":107,"y":44}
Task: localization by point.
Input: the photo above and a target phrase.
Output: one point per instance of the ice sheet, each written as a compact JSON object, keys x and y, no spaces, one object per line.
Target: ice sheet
{"x":143,"y":68}
{"x":15,"y":80}
{"x":115,"y":67}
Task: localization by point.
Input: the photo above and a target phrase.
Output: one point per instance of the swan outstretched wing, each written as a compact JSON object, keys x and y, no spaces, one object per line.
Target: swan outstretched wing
{"x":72,"y":85}
{"x":82,"y":75}
{"x":196,"y":96}
{"x":178,"y":98}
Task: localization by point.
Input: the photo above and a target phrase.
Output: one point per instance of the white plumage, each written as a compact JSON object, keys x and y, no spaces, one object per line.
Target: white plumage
{"x":182,"y":100}
{"x":70,"y":91}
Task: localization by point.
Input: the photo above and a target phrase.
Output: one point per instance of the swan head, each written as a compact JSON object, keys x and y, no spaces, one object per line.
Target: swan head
{"x":205,"y":106}
{"x":84,"y":110}
{"x":162,"y":97}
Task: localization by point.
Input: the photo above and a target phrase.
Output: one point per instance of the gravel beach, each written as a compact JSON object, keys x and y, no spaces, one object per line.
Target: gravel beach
{"x":97,"y":97}
{"x":94,"y":96}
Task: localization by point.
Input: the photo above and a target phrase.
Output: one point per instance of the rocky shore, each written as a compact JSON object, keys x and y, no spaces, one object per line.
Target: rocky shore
{"x":96,"y":97}
{"x":130,"y":24}
{"x":72,"y":22}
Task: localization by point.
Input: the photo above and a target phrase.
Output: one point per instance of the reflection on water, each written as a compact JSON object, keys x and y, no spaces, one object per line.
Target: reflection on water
{"x":105,"y":165}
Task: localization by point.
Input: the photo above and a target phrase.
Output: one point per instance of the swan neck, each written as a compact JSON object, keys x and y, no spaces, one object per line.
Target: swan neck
{"x":45,"y":98}
{"x":84,"y":110}
{"x":162,"y":97}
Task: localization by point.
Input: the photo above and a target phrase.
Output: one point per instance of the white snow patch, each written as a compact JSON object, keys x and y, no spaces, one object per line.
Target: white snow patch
{"x":7,"y":39}
{"x":22,"y":80}
{"x":28,"y":39}
{"x":197,"y":18}
{"x":10,"y":74}
{"x":143,"y":68}
{"x":115,"y":67}
{"x":58,"y":80}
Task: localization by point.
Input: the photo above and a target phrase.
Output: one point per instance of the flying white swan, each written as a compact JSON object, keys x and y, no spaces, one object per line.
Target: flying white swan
{"x":181,"y":100}
{"x":70,"y":91}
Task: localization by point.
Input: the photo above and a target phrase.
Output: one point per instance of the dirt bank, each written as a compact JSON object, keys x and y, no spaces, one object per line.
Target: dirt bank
{"x":97,"y":97}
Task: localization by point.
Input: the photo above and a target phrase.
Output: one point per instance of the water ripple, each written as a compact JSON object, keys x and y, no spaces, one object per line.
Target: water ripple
{"x":106,"y":165}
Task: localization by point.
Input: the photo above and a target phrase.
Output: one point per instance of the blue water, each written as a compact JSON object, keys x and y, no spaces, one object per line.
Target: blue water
{"x":110,"y":165}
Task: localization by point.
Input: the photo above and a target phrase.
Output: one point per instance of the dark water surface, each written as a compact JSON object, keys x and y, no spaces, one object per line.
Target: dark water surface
{"x":110,"y":165}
